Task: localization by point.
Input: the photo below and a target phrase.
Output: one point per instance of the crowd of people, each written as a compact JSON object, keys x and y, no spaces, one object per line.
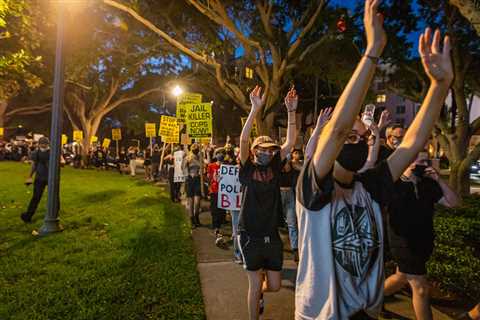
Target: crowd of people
{"x":342,"y":197}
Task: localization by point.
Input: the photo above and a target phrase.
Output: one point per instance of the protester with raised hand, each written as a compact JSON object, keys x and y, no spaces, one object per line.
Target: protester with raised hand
{"x":261,"y":212}
{"x":340,"y":274}
{"x":323,"y":117}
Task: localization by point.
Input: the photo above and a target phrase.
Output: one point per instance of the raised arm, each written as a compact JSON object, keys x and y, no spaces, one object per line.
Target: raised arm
{"x":373,"y":148}
{"x":291,"y":102}
{"x":438,"y":66}
{"x":257,"y":102}
{"x":450,"y":198}
{"x":348,"y":106}
{"x":322,"y":120}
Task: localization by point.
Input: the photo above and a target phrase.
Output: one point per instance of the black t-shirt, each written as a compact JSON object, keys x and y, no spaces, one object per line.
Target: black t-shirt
{"x":384,"y":153}
{"x":156,"y":157}
{"x":411,"y":217}
{"x":40,"y":158}
{"x":261,"y":212}
{"x":289,"y":179}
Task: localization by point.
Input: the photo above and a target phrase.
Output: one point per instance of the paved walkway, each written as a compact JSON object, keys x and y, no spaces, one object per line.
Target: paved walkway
{"x":224,"y":283}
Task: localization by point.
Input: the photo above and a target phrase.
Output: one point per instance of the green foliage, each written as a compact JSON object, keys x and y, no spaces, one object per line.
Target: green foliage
{"x":455,"y":263}
{"x":19,"y":37}
{"x":126,"y":252}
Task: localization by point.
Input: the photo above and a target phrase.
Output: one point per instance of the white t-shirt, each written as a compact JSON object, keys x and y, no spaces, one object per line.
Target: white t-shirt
{"x":340,"y":241}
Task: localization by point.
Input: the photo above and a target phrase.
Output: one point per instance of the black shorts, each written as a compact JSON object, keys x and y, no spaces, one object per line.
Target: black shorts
{"x":193,"y":186}
{"x":411,"y":262}
{"x":261,"y":253}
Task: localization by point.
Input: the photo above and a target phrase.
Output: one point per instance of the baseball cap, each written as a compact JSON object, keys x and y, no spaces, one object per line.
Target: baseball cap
{"x":264,"y":142}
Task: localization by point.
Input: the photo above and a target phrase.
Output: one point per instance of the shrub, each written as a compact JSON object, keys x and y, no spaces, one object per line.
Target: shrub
{"x":455,"y":263}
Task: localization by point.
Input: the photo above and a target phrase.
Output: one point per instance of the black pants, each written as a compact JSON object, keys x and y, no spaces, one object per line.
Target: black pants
{"x":38,"y":188}
{"x":217,"y":213}
{"x":175,"y":190}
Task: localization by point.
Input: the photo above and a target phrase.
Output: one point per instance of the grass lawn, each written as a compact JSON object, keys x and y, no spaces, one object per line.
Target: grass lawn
{"x":126,"y":252}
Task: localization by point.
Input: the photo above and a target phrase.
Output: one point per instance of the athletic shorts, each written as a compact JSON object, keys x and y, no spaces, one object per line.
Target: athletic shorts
{"x":261,"y":253}
{"x":193,"y":187}
{"x":410,"y":262}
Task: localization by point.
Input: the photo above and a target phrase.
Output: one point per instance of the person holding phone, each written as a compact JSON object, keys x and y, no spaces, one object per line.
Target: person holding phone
{"x":410,"y":223}
{"x":40,"y":158}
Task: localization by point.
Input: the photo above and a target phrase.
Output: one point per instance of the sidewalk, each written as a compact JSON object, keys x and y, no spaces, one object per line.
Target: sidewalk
{"x":225,"y":286}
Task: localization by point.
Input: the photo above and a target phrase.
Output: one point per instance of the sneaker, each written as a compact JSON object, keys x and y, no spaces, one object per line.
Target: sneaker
{"x":219,"y":240}
{"x":238,"y":259}
{"x":261,"y":305}
{"x":26,"y":217}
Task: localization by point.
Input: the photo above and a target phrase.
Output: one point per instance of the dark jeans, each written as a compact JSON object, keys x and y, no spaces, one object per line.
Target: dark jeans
{"x":38,"y":188}
{"x":175,"y":190}
{"x":218,"y":215}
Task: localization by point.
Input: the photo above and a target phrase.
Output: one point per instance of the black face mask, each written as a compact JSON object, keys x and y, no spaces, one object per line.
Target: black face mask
{"x":353,"y":156}
{"x":196,"y":151}
{"x":419,"y":170}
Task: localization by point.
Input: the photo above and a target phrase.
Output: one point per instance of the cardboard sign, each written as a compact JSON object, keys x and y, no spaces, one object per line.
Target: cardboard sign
{"x":64,"y":139}
{"x":77,"y":135}
{"x":150,"y":130}
{"x":168,"y":126}
{"x":116,"y":134}
{"x":254,"y":132}
{"x":199,"y":120}
{"x":229,"y":194}
{"x":178,"y":174}
{"x":185,"y":139}
{"x":205,"y":140}
{"x":2,"y":132}
{"x":93,"y":139}
{"x":182,"y":102}
{"x":106,"y":143}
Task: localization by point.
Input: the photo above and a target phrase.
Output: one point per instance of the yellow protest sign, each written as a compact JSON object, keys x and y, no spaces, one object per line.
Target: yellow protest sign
{"x":171,"y":139}
{"x":254,"y":132}
{"x":77,"y":135}
{"x":168,"y":126}
{"x":64,"y":139}
{"x":150,"y":130}
{"x":205,"y":140}
{"x":106,"y":143}
{"x":199,"y":120}
{"x":93,"y":139}
{"x":2,"y":132}
{"x":117,"y":134}
{"x":182,"y":102}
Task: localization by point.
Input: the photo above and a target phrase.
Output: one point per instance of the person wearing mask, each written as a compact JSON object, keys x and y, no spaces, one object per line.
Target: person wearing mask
{"x":341,"y":272}
{"x":261,"y":209}
{"x":132,"y":160}
{"x":213,"y":171}
{"x":288,"y":182}
{"x":156,"y":155}
{"x":193,"y":164}
{"x":147,"y":164}
{"x":411,"y":233}
{"x":40,"y":158}
{"x":394,"y":136}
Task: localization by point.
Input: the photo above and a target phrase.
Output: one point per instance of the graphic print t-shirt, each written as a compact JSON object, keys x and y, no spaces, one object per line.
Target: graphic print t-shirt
{"x":341,"y":244}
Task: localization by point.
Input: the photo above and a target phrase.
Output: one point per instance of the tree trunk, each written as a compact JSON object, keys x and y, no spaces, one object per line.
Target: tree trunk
{"x":3,"y":111}
{"x":459,"y":179}
{"x":470,"y":10}
{"x":265,"y":125}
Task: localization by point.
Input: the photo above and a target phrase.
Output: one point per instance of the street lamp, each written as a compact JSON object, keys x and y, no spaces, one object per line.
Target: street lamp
{"x":177,"y":90}
{"x":52,"y":222}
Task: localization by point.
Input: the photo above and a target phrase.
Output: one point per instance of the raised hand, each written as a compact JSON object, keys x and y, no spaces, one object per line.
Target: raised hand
{"x":385,"y":119}
{"x":324,"y":116}
{"x":432,"y":173}
{"x":373,"y":21}
{"x":291,"y":100}
{"x":437,"y":64}
{"x":257,"y":99}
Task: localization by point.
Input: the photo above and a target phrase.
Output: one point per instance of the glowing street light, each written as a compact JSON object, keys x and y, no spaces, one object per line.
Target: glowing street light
{"x":177,"y":91}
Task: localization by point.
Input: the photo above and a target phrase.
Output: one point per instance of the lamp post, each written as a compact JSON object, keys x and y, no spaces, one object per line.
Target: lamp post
{"x":52,"y":222}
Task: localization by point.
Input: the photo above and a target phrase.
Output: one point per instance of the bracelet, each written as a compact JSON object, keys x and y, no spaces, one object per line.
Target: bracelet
{"x":372,"y":58}
{"x":292,"y":110}
{"x":292,"y":123}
